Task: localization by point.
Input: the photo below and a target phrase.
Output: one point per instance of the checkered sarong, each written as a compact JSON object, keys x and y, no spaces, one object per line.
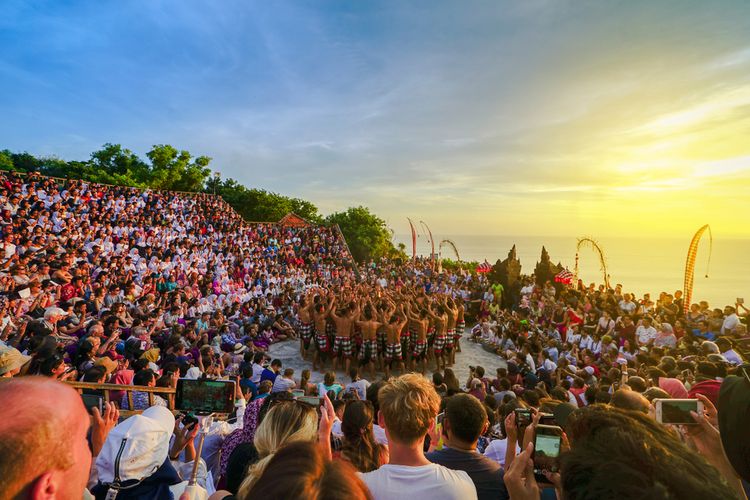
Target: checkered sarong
{"x":420,"y":350}
{"x":342,"y":345}
{"x":439,"y":344}
{"x":393,"y":352}
{"x":321,"y":341}
{"x":449,"y":338}
{"x":306,"y":333}
{"x":368,"y":350}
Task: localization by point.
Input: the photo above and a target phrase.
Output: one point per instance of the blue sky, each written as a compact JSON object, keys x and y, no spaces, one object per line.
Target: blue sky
{"x":527,"y":117}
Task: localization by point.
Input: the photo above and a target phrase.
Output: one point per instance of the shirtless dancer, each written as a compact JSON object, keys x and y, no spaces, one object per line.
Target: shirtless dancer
{"x":440,"y":318}
{"x":368,"y":352}
{"x":460,"y":325}
{"x":320,"y":315}
{"x":393,"y":331}
{"x":420,"y":322}
{"x":450,"y":334}
{"x":342,"y":345}
{"x":306,"y":325}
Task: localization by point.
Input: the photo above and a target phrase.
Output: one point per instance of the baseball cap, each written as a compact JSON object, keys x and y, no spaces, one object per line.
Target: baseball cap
{"x":11,"y":359}
{"x":139,"y":444}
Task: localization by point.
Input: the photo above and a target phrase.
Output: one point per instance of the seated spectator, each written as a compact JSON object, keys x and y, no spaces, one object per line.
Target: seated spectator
{"x":11,"y":361}
{"x":464,"y":421}
{"x":408,"y":407}
{"x":301,"y":470}
{"x":136,"y":460}
{"x":630,"y":400}
{"x":605,"y":439}
{"x":285,"y":382}
{"x":359,"y":445}
{"x":286,"y":422}
{"x":329,"y":384}
{"x":44,"y":452}
{"x":146,"y":378}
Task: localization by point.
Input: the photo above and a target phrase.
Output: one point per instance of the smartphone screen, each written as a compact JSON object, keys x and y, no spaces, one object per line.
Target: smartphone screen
{"x":547,"y":448}
{"x":523,"y":417}
{"x":677,"y":411}
{"x":205,"y":396}
{"x":311,"y":400}
{"x":91,"y":401}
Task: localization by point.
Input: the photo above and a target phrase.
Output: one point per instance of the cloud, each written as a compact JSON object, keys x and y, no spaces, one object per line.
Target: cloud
{"x":556,"y":112}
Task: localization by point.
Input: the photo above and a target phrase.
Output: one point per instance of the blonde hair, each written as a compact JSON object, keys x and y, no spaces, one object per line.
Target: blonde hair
{"x":409,"y":404}
{"x":287,"y":422}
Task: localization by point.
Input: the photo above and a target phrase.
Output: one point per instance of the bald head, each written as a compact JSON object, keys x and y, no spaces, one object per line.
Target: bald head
{"x":43,"y":447}
{"x":630,"y":400}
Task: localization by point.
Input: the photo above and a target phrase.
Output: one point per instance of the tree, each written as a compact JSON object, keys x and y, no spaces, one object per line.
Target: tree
{"x":366,"y":234}
{"x":117,"y":164}
{"x":172,"y":170}
{"x":6,"y":160}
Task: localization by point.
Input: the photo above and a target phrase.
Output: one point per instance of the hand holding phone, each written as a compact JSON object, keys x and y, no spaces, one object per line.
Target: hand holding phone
{"x":547,"y":445}
{"x":677,"y":411}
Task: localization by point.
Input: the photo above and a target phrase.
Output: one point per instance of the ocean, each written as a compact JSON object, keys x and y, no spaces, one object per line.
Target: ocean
{"x":641,"y":265}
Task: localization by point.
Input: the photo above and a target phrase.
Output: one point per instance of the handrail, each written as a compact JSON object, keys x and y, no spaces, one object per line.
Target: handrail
{"x":128,"y":389}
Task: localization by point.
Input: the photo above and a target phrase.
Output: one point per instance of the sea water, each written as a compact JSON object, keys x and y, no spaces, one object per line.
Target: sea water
{"x":641,"y":265}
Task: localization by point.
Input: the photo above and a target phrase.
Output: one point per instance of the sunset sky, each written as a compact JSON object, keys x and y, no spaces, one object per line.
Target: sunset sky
{"x":524,"y":117}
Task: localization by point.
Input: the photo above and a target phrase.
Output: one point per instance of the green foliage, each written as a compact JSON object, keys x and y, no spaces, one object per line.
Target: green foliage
{"x":366,"y":234}
{"x":260,"y":205}
{"x":173,"y":170}
{"x":451,"y":265}
{"x":6,"y":160}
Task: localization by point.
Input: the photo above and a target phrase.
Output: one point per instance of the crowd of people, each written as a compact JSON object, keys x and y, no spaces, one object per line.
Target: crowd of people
{"x":140,"y":289}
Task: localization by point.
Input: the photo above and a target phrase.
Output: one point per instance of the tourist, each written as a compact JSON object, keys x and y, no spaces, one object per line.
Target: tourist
{"x":44,"y":452}
{"x":464,"y":421}
{"x":408,"y":473}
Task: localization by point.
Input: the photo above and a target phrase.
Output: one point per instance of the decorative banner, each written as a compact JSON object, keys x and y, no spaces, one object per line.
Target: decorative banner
{"x":690,"y":263}
{"x":413,"y":240}
{"x":484,"y":267}
{"x":565,"y":277}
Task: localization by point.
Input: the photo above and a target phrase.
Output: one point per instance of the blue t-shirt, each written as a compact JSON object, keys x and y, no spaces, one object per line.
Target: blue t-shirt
{"x":268,"y":375}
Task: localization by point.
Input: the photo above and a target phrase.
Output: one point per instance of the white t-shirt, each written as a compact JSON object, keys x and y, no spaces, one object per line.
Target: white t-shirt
{"x":496,"y":450}
{"x":379,"y":434}
{"x":433,"y":481}
{"x":645,"y":334}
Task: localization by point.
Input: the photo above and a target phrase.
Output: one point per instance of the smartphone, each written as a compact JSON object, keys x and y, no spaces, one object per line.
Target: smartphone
{"x":547,"y":419}
{"x":311,"y":400}
{"x":91,"y":401}
{"x":205,"y":396}
{"x":677,"y":411}
{"x":439,"y":418}
{"x":547,"y":441}
{"x":740,"y":300}
{"x":523,"y":417}
{"x":189,"y":420}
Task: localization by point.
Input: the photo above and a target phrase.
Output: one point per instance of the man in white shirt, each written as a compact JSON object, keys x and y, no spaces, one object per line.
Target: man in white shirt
{"x":731,"y":320}
{"x":408,"y":474}
{"x":645,"y":333}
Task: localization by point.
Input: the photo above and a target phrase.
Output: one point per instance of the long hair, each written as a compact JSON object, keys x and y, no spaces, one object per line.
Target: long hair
{"x":450,"y":380}
{"x":300,"y":470}
{"x":625,"y":454}
{"x":360,"y":447}
{"x":285,"y":423}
